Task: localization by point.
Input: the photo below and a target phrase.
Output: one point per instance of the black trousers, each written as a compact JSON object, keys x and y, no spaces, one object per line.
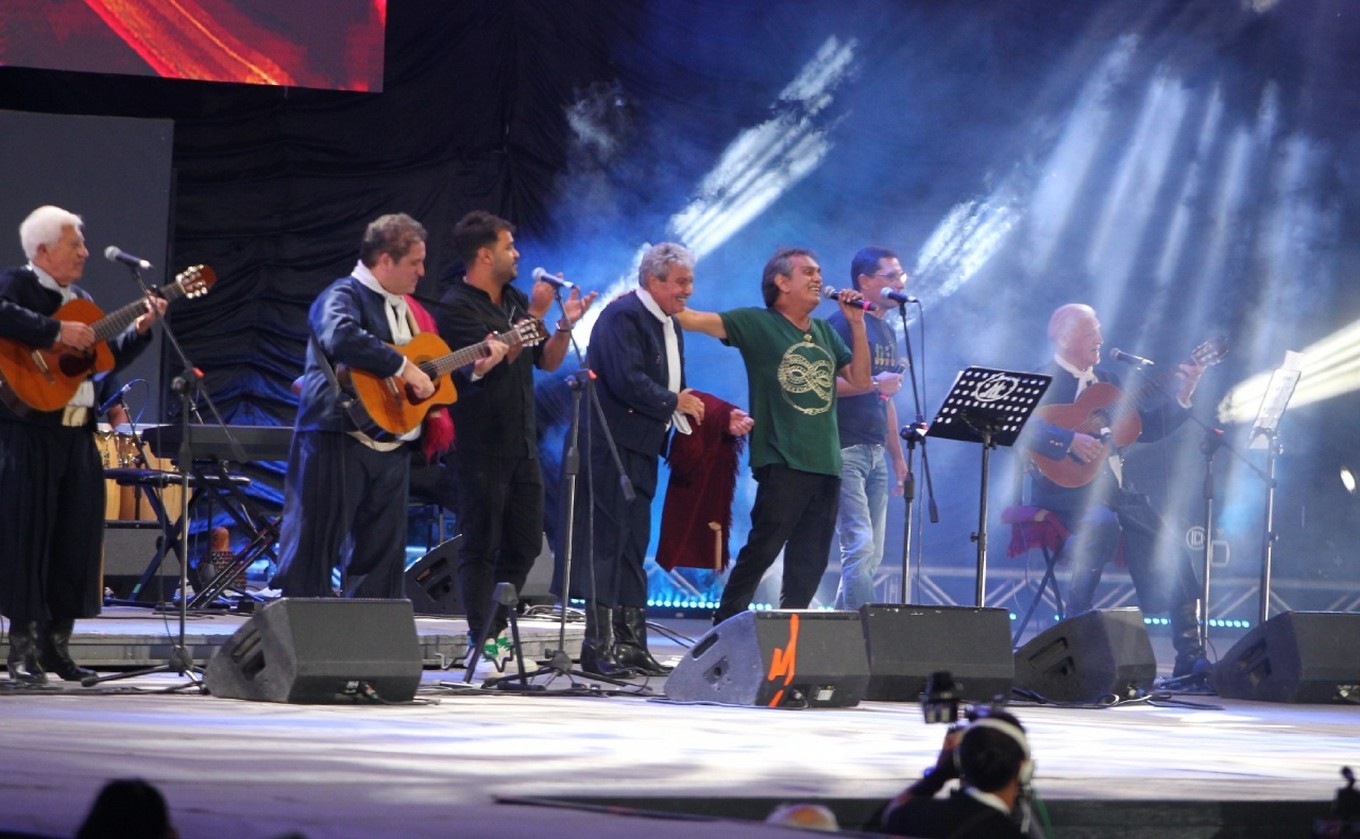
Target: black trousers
{"x":343,"y":502}
{"x":51,"y":522}
{"x":1161,"y":568}
{"x":611,"y":533}
{"x":500,"y":511}
{"x":796,"y":512}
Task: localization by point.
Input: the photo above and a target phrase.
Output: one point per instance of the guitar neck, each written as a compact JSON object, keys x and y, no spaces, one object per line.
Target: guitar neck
{"x":436,"y":367}
{"x":120,"y":319}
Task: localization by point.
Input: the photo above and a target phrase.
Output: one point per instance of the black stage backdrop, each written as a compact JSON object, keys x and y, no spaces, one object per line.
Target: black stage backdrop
{"x":1187,"y":167}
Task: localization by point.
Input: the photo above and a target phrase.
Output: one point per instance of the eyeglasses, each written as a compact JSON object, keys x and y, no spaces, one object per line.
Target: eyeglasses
{"x":893,"y":277}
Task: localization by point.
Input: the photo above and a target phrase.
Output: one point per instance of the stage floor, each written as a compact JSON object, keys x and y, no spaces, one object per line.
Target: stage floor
{"x":470,"y":762}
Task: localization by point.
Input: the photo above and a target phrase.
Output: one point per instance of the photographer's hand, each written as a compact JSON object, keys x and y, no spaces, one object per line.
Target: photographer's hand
{"x":944,"y":770}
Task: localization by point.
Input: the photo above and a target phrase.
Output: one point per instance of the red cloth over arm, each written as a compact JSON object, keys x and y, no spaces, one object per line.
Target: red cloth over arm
{"x":696,"y":519}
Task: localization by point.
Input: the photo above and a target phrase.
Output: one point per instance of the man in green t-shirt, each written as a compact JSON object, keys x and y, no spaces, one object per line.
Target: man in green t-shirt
{"x":792,"y":360}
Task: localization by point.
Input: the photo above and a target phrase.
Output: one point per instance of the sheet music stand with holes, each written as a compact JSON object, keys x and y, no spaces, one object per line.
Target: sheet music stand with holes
{"x":990,"y":407}
{"x":1265,"y":434}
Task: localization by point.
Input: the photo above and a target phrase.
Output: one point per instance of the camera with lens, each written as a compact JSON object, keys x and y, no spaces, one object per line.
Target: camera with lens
{"x":942,"y":701}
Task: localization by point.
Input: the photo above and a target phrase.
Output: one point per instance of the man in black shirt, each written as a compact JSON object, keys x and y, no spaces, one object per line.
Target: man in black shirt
{"x":495,"y":459}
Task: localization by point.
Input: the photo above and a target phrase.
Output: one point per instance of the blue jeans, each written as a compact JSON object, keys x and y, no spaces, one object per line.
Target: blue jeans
{"x":860,"y":523}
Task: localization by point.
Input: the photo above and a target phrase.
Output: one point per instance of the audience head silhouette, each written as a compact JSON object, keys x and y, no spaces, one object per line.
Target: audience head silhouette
{"x":128,"y":808}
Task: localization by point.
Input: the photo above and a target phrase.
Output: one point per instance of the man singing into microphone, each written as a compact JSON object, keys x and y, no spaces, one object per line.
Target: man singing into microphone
{"x":867,"y":419}
{"x":1098,"y":513}
{"x":792,"y":360}
{"x":495,"y":458}
{"x":52,"y":506}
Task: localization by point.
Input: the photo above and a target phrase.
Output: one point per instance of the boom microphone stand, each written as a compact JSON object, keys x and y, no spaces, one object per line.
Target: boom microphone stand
{"x":914,"y":434}
{"x":189,"y":386}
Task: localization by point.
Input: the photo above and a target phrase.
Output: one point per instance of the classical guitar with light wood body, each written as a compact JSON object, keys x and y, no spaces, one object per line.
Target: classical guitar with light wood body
{"x":1106,"y":412}
{"x":46,"y":379}
{"x":388,"y":403}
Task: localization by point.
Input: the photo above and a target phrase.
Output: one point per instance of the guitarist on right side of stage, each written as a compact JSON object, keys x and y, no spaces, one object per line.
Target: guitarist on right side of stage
{"x":1098,"y":512}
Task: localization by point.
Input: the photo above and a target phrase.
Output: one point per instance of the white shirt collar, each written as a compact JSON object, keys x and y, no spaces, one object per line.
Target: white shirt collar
{"x":1089,"y":374}
{"x":987,"y":798}
{"x":365,"y":276}
{"x":652,"y":306}
{"x":46,"y":281}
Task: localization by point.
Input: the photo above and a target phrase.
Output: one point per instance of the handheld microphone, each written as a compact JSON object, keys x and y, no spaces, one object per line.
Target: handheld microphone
{"x":832,"y":293}
{"x":1130,"y":358}
{"x":115,"y":254}
{"x":889,"y":295}
{"x":541,"y":275}
{"x":117,"y":397}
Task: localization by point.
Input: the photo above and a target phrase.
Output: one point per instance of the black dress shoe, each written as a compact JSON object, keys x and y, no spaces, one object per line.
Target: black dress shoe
{"x":65,"y":668}
{"x":22,"y":660}
{"x":54,"y":652}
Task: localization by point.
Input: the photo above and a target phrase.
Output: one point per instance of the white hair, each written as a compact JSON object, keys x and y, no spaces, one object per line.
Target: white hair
{"x":44,"y":226}
{"x":1065,"y":319}
{"x":660,"y":258}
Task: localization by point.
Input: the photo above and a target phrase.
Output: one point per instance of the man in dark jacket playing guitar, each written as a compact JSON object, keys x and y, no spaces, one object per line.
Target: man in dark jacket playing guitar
{"x":52,"y":506}
{"x":345,"y":477}
{"x":1074,"y":440}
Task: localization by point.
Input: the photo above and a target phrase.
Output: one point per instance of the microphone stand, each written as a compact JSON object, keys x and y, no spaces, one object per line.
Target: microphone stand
{"x":914,"y":434}
{"x":189,"y":386}
{"x":559,"y":664}
{"x":1213,"y":441}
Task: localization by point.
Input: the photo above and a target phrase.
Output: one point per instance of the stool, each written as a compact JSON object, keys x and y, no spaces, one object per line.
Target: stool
{"x":1036,"y":527}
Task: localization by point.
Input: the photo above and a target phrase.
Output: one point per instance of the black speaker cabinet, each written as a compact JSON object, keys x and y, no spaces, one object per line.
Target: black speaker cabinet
{"x":908,"y":643}
{"x":432,"y":581}
{"x":320,"y":650}
{"x":1086,"y":657}
{"x":783,"y":659}
{"x":1310,"y":657}
{"x":129,"y":547}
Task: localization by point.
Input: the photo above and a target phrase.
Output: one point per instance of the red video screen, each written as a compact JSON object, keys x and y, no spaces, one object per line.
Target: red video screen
{"x":331,"y":44}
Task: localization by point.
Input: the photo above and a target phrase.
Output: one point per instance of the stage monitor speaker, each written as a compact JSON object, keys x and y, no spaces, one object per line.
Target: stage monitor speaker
{"x":432,"y":581}
{"x":129,"y":547}
{"x":1310,"y":657}
{"x":320,"y":650}
{"x":906,"y":644}
{"x":783,"y":659}
{"x":1092,"y":655}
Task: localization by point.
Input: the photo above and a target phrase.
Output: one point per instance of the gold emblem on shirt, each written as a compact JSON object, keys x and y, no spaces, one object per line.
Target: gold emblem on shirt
{"x":807,"y":378}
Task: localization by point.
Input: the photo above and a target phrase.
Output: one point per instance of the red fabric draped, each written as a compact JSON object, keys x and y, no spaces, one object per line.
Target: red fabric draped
{"x":696,"y":519}
{"x":436,"y":435}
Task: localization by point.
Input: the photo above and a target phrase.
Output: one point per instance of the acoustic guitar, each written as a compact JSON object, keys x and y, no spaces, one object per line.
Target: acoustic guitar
{"x":46,"y":379}
{"x":1106,"y":412}
{"x":389,"y":403}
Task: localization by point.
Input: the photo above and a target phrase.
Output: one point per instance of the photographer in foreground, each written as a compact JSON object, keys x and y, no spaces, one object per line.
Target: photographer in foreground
{"x":991,"y":759}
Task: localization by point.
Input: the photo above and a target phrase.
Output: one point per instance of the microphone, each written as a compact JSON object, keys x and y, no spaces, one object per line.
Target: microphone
{"x":114,"y":254}
{"x":117,"y":397}
{"x":897,"y":296}
{"x":541,"y":275}
{"x":1130,"y":358}
{"x":831,"y":293}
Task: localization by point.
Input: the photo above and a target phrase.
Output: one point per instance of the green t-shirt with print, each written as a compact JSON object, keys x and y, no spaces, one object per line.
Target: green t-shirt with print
{"x":791,"y":375}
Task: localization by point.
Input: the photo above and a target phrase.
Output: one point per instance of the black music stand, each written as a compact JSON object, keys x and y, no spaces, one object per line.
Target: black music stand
{"x":990,"y":407}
